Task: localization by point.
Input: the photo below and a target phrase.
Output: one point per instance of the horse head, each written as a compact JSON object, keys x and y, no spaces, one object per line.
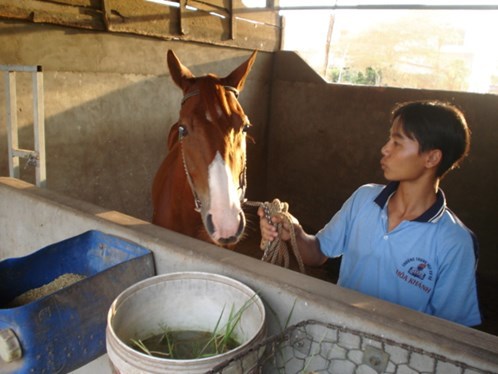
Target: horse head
{"x":204,"y":173}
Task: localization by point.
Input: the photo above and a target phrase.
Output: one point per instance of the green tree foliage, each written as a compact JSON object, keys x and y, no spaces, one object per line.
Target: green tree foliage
{"x":369,"y":77}
{"x":415,"y":50}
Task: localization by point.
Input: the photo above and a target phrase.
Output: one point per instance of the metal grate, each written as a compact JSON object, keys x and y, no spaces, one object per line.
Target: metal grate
{"x":316,"y":347}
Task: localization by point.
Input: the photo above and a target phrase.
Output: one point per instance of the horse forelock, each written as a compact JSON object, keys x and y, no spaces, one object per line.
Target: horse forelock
{"x":213,"y":95}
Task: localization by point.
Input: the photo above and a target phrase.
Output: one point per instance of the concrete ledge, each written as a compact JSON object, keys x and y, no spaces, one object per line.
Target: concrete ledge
{"x":31,"y":218}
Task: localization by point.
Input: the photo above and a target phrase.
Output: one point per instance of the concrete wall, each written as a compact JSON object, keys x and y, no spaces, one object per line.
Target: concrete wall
{"x":414,"y":341}
{"x":324,"y":141}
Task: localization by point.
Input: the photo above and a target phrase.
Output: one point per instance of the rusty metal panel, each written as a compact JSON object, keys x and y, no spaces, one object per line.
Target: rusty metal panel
{"x":263,"y":15}
{"x":45,"y":12}
{"x":141,"y":17}
{"x":231,"y":29}
{"x":95,"y":4}
{"x":201,"y":24}
{"x":222,"y":6}
{"x":254,"y":35}
{"x":219,"y":22}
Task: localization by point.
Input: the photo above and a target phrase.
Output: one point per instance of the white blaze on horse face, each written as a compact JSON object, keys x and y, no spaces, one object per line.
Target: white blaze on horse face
{"x":218,"y":111}
{"x":225,"y":204}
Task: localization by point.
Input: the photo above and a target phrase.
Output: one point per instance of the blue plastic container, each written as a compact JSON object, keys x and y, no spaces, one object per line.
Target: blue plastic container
{"x":65,"y":330}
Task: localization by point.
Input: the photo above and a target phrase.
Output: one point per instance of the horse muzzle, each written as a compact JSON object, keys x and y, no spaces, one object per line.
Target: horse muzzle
{"x":225,"y":230}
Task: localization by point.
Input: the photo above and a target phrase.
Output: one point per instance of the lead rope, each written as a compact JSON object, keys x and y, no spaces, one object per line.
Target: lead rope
{"x":277,"y":252}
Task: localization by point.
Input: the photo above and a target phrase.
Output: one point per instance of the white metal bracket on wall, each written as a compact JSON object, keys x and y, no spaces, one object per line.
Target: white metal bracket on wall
{"x":37,"y":156}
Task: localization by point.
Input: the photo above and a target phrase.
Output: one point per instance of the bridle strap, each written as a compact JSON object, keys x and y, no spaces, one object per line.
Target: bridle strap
{"x":197,"y":201}
{"x":188,"y":95}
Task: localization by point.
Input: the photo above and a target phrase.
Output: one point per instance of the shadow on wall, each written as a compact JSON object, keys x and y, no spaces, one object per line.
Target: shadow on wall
{"x":325,"y":140}
{"x":102,"y":150}
{"x":106,"y":133}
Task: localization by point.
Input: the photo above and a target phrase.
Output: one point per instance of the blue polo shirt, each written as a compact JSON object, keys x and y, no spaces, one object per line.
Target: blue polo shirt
{"x":427,"y":264}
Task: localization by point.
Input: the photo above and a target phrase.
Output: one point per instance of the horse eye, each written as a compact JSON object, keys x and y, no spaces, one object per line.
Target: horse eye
{"x":183,"y":130}
{"x":246,"y":127}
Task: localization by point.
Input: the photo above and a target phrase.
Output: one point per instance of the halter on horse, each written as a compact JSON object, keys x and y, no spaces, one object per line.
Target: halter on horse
{"x":200,"y":185}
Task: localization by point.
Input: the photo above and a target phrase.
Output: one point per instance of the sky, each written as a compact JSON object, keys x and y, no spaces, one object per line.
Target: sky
{"x":290,"y":3}
{"x":285,"y":3}
{"x":307,"y":30}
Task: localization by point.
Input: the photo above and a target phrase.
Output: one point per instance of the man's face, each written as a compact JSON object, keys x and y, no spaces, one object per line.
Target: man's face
{"x":401,"y":159}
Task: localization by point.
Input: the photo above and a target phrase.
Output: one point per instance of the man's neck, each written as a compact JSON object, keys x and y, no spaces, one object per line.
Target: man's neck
{"x":410,"y":201}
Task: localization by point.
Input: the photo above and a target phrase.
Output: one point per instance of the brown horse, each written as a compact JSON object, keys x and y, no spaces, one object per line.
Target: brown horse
{"x":200,"y":186}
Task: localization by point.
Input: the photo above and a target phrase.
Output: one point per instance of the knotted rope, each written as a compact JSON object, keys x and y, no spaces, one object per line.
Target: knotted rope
{"x":277,"y":252}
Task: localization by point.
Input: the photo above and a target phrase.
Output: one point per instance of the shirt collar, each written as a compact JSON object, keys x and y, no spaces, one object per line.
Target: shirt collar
{"x":433,"y":214}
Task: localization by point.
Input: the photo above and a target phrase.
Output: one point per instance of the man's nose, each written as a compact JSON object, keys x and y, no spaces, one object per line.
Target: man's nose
{"x":385,"y":149}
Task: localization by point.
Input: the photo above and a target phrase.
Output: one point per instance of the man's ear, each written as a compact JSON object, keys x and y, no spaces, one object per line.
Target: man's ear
{"x":434,"y":158}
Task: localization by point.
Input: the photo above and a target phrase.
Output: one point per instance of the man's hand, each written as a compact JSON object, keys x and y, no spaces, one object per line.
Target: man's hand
{"x":269,"y":230}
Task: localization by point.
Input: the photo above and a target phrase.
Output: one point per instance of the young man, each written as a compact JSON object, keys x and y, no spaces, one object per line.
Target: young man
{"x":400,"y":242}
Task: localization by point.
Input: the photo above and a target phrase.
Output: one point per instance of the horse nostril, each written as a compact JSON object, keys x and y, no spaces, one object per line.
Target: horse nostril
{"x":209,"y":224}
{"x":242,"y":224}
{"x":227,"y":241}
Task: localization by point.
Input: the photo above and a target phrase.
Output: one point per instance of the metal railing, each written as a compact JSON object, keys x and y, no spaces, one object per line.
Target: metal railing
{"x":36,"y":157}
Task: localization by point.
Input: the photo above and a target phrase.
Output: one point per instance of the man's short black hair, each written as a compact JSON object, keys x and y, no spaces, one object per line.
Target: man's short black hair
{"x":436,"y":125}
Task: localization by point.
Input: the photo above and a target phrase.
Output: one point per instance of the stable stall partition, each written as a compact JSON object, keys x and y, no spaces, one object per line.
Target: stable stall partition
{"x":312,"y":324}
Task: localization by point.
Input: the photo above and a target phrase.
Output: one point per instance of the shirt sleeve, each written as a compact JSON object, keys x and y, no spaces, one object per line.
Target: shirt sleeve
{"x":333,"y":236}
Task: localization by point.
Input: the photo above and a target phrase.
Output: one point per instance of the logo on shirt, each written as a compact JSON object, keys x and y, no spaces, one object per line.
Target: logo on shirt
{"x":418,"y":271}
{"x":415,"y":271}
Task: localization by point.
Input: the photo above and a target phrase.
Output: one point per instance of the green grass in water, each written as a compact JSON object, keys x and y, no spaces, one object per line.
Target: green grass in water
{"x":185,"y":345}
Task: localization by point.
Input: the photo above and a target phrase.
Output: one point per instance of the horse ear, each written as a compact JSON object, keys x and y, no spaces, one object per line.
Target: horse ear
{"x":237,"y":77}
{"x":179,"y":72}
